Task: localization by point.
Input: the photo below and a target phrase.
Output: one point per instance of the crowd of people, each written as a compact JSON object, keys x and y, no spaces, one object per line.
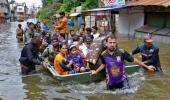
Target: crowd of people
{"x":67,"y":51}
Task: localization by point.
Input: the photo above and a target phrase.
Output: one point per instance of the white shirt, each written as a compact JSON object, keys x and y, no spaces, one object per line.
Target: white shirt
{"x":96,"y":35}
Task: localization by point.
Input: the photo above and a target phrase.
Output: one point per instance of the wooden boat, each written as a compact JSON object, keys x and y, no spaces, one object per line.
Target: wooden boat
{"x":85,"y":76}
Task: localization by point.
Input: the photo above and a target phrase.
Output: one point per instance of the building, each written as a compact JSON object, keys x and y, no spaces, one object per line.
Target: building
{"x":146,"y":17}
{"x":4,"y":10}
{"x":21,"y":10}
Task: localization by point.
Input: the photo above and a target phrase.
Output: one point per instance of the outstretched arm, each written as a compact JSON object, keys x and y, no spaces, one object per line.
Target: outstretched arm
{"x":150,"y":68}
{"x":135,"y":51}
{"x":102,"y":66}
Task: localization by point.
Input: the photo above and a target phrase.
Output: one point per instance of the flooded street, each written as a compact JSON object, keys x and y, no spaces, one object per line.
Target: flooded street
{"x":13,"y":86}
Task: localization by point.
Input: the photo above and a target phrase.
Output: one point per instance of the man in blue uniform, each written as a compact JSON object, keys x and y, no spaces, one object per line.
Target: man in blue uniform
{"x":113,"y":61}
{"x":149,"y":52}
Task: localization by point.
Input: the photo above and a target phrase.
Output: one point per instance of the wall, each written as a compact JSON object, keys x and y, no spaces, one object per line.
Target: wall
{"x":129,"y":20}
{"x":3,"y":8}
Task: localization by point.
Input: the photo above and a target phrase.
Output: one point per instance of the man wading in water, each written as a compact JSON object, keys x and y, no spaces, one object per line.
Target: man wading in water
{"x":113,"y":61}
{"x":29,"y":56}
{"x":149,"y":53}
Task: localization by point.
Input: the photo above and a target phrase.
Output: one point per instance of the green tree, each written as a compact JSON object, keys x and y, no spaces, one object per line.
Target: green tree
{"x":89,"y":4}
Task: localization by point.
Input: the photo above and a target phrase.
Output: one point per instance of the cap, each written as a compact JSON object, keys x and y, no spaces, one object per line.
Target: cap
{"x":76,"y":38}
{"x":88,"y":40}
{"x":56,"y":30}
{"x":54,"y":42}
{"x":30,"y":23}
{"x":72,"y":46}
{"x":147,"y":38}
{"x":37,"y":34}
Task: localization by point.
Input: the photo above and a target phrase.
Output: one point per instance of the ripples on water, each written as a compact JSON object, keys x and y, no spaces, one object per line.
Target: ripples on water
{"x":100,"y":88}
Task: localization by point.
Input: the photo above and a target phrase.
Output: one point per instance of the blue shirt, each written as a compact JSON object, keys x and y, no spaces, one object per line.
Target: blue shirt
{"x":77,"y":60}
{"x":150,"y":55}
{"x":46,"y":27}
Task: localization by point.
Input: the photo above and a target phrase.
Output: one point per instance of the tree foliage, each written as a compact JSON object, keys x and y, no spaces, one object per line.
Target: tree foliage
{"x":50,"y":7}
{"x":89,"y":4}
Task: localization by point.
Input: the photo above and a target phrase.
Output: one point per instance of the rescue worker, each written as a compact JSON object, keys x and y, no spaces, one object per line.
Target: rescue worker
{"x":149,"y":53}
{"x":30,"y":56}
{"x":113,"y":62}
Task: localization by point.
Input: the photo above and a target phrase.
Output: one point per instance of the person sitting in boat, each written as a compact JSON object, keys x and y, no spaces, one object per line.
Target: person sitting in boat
{"x":76,"y":58}
{"x":70,"y":37}
{"x":149,"y":52}
{"x":38,"y":27}
{"x":61,"y":56}
{"x":89,"y":34}
{"x":113,"y":61}
{"x":20,"y":33}
{"x":86,"y":46}
{"x":46,"y":27}
{"x":30,"y":56}
{"x":51,"y":51}
{"x":76,"y":42}
{"x":95,"y":33}
{"x":82,"y":30}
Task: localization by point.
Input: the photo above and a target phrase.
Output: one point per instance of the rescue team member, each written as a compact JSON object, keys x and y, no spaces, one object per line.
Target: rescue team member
{"x":29,"y":56}
{"x":113,"y":61}
{"x":61,"y":25}
{"x":20,"y":33}
{"x":61,"y":56}
{"x":149,"y":52}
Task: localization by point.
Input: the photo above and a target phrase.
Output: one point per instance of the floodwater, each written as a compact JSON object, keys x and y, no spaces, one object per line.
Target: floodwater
{"x":13,"y":86}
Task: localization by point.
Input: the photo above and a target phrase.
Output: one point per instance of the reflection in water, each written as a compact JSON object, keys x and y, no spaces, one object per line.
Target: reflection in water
{"x":33,"y":91}
{"x":13,"y":86}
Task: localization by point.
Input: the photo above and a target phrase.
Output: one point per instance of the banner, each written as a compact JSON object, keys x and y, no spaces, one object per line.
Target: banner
{"x":113,"y":3}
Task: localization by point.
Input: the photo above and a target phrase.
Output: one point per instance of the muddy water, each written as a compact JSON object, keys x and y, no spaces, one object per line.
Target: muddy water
{"x":13,"y":86}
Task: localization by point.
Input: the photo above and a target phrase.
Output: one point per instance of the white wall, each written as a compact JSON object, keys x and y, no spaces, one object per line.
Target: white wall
{"x":129,"y":20}
{"x":20,"y":9}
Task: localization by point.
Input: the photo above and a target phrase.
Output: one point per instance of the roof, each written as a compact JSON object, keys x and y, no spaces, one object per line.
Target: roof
{"x":103,"y":9}
{"x":74,"y":14}
{"x":164,"y":3}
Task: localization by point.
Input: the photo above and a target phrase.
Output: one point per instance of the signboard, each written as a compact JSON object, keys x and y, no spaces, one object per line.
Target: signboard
{"x":112,"y":3}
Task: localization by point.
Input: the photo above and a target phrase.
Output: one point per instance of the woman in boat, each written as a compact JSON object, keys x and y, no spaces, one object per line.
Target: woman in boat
{"x":20,"y":33}
{"x":113,"y":61}
{"x":77,"y":59}
{"x":60,"y":57}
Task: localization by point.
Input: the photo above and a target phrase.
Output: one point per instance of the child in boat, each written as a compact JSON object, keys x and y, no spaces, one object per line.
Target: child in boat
{"x":77,"y":60}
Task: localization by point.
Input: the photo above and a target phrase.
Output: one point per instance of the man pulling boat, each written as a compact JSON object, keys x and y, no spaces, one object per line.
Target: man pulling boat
{"x":113,"y":61}
{"x":149,"y":53}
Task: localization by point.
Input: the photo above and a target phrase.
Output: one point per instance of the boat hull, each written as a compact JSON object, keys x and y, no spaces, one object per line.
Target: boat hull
{"x":85,"y":77}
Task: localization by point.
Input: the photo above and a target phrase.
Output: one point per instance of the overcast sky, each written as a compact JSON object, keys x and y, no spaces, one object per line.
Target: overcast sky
{"x":30,"y":2}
